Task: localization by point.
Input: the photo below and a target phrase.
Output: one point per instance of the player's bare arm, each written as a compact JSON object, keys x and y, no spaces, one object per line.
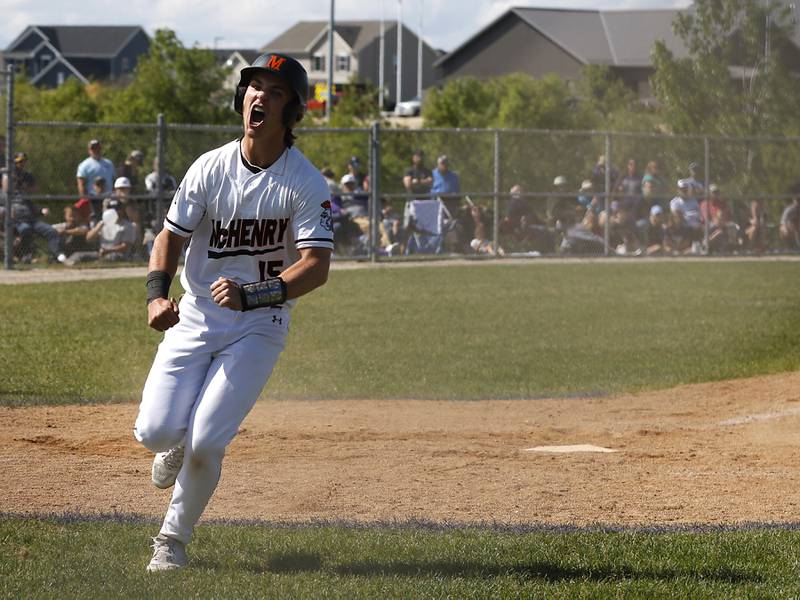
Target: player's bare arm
{"x":307,"y":274}
{"x":162,"y":312}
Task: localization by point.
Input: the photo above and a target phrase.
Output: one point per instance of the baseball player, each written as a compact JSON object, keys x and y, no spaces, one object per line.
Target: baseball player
{"x":257,"y":216}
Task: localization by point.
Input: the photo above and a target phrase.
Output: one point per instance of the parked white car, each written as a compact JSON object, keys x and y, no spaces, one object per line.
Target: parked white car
{"x":408,"y":108}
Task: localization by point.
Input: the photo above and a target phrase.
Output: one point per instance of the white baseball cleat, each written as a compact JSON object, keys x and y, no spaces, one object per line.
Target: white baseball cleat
{"x":166,"y":466}
{"x":168,"y":553}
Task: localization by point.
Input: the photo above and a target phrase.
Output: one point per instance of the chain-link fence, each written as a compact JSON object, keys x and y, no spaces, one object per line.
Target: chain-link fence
{"x":508,"y":192}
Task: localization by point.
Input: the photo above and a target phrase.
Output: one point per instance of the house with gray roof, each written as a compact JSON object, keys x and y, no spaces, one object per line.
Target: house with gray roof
{"x":541,"y":41}
{"x":233,"y":60}
{"x":50,"y":54}
{"x":356,"y":48}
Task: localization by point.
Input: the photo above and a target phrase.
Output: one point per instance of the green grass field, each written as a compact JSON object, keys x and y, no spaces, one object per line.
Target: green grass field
{"x":464,"y":332}
{"x":460,"y":332}
{"x":52,"y":559}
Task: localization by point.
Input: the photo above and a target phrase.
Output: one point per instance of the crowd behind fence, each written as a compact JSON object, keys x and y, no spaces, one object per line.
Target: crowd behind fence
{"x":398,"y":192}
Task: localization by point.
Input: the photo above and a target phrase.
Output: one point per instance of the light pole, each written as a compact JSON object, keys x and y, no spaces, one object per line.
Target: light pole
{"x":329,"y":101}
{"x":419,"y":51}
{"x":399,"y":94}
{"x":381,"y":59}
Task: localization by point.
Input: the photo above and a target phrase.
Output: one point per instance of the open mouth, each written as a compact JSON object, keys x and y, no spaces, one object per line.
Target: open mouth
{"x":256,"y":116}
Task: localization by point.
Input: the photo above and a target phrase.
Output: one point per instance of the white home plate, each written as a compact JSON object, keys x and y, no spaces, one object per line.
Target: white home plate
{"x":566,"y":449}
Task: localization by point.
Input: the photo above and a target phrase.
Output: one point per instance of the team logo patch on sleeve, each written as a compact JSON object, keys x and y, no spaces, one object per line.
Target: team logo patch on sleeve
{"x":326,"y":219}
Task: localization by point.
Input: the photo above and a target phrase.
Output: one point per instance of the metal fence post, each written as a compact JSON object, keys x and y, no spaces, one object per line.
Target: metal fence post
{"x":706,"y":167}
{"x":607,"y":203}
{"x":161,"y":134}
{"x":9,"y":236}
{"x":496,"y":207}
{"x":374,"y":180}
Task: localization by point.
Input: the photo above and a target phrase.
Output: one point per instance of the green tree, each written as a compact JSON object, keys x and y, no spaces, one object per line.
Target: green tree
{"x":735,"y":79}
{"x":185,"y":84}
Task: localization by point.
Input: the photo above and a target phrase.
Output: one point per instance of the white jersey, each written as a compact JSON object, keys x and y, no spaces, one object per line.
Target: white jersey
{"x":247,"y":223}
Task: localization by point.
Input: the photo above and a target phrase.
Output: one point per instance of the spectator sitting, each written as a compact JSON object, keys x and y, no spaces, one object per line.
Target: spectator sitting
{"x":655,"y":231}
{"x":481,"y":244}
{"x":131,"y":168}
{"x":756,"y":229}
{"x":653,"y":177}
{"x":418,"y":178}
{"x":622,"y":229}
{"x":390,"y":228}
{"x":632,"y":198}
{"x":599,"y":174}
{"x":722,"y":231}
{"x":676,"y":234}
{"x":698,"y":188}
{"x":790,"y":220}
{"x":115,"y":234}
{"x":526,"y":231}
{"x":587,"y":198}
{"x":560,"y":205}
{"x":75,"y":227}
{"x":330,"y":179}
{"x":689,"y":208}
{"x":354,"y":201}
{"x":168,"y":183}
{"x":92,"y":167}
{"x":583,"y":238}
{"x":122,"y":192}
{"x":27,"y":217}
{"x":354,"y":168}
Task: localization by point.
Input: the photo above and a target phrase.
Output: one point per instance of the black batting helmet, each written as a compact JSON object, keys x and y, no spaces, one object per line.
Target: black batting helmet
{"x":292,"y":73}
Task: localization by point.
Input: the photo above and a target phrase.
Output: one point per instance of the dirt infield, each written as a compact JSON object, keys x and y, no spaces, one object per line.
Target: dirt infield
{"x":710,"y":453}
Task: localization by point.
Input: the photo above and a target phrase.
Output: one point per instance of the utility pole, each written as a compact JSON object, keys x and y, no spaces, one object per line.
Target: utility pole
{"x":419,"y":51}
{"x":329,"y":101}
{"x":381,"y":60}
{"x":399,"y":94}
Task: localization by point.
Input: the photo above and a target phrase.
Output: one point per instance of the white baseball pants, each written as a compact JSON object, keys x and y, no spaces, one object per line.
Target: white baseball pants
{"x":207,"y":374}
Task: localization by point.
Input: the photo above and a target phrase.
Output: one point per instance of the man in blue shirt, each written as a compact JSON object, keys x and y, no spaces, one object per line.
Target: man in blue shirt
{"x":92,"y":167}
{"x":445,"y":181}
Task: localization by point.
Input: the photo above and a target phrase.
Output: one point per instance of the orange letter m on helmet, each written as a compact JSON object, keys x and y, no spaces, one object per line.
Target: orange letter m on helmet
{"x":275,"y":62}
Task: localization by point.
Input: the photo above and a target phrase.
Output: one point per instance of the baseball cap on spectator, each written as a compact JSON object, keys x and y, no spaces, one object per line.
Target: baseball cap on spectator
{"x":656,"y":210}
{"x":137,"y":155}
{"x":684,"y":184}
{"x":560,"y":180}
{"x":586,"y":186}
{"x":20,"y":157}
{"x":348,"y":178}
{"x":354,"y":161}
{"x":713,"y":188}
{"x":94,"y":142}
{"x":122,"y":182}
{"x":327,"y":172}
{"x":84,"y":207}
{"x":443,"y":158}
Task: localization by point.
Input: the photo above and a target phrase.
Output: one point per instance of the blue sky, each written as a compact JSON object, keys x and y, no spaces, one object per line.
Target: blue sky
{"x":253,"y":23}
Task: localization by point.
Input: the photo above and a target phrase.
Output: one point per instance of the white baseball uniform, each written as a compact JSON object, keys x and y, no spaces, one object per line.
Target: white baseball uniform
{"x":246,"y":224}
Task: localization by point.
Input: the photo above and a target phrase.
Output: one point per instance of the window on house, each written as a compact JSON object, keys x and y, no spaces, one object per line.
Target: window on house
{"x":44,"y":60}
{"x":318,"y":62}
{"x":342,"y":62}
{"x":61,"y":77}
{"x":125,"y":64}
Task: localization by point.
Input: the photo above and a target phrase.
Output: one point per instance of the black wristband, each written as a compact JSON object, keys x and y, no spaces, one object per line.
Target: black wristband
{"x":158,"y":283}
{"x":263,"y":293}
